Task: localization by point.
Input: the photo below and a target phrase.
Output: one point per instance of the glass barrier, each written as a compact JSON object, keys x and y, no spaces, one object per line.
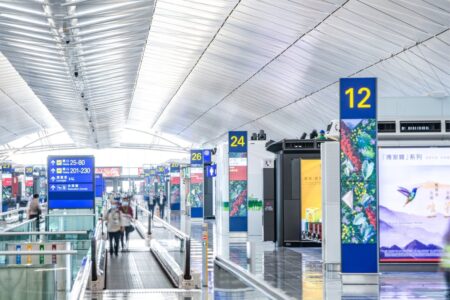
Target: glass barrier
{"x":65,"y":222}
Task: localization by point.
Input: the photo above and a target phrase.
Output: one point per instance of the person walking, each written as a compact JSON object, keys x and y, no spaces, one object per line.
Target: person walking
{"x":127,"y":218}
{"x":151,"y":204}
{"x":114,"y":227}
{"x":34,"y":210}
{"x":162,"y":203}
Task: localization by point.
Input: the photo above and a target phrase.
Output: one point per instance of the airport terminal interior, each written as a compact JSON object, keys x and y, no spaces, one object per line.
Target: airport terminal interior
{"x":224,"y":149}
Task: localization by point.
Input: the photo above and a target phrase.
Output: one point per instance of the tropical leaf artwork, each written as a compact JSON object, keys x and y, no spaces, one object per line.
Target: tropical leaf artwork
{"x":238,"y":198}
{"x":358,"y":181}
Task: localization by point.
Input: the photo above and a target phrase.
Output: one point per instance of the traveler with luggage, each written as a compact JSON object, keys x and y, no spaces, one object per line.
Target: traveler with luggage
{"x":114,"y":227}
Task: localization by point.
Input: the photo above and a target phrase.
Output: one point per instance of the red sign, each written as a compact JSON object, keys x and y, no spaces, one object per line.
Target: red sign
{"x":238,"y":173}
{"x":7,"y":181}
{"x":196,"y":177}
{"x":109,"y":171}
{"x":140,"y":171}
{"x":175,"y":180}
{"x":29,"y":183}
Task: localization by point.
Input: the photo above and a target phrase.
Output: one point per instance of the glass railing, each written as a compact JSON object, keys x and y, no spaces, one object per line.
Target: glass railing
{"x":62,"y":222}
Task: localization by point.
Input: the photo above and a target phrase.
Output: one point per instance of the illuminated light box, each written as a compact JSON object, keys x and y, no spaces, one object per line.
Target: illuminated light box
{"x":414,"y":199}
{"x":71,"y":182}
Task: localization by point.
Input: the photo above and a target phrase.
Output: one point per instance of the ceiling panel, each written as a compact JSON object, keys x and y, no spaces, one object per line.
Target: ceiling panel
{"x":81,"y":58}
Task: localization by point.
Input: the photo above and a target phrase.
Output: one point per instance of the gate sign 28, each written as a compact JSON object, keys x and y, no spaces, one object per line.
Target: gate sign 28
{"x":196,"y":157}
{"x":237,"y":141}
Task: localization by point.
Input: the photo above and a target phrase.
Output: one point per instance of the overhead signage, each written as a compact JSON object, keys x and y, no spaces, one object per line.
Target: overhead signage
{"x":196,"y":157}
{"x":238,"y":184}
{"x":99,"y":185}
{"x":358,"y":148}
{"x":71,"y":182}
{"x":29,"y":171}
{"x":237,"y":141}
{"x":109,"y":171}
{"x":207,"y":156}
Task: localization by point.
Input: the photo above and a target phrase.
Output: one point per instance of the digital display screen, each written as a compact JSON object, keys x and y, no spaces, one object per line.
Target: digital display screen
{"x":71,"y":182}
{"x":414,"y":199}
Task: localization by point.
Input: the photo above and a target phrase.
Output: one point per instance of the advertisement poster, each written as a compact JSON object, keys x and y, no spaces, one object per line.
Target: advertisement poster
{"x":109,"y":171}
{"x":196,"y":191}
{"x":238,"y":184}
{"x":311,"y":191}
{"x":358,"y":181}
{"x":414,"y":203}
{"x":175,"y":196}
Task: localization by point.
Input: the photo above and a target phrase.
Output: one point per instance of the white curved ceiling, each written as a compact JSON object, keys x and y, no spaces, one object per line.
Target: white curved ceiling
{"x":213,"y":66}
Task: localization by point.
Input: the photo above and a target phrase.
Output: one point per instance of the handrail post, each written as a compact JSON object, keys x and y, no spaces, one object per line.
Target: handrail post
{"x":136,"y":212}
{"x":149,"y":229}
{"x":94,"y":259}
{"x":187,"y":260}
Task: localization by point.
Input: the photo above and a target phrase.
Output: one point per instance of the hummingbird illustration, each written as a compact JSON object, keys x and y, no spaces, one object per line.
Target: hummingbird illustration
{"x":410,"y":195}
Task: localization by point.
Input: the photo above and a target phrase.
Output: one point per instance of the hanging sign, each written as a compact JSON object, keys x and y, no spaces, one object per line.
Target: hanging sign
{"x":71,"y":182}
{"x":238,"y":185}
{"x":358,"y":152}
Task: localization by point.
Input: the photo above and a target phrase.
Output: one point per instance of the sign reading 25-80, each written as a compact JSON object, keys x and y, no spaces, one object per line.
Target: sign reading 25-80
{"x":358,"y":98}
{"x":237,"y":141}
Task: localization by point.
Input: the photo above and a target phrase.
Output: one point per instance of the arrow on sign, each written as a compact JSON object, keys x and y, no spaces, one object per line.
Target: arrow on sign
{"x":52,"y":187}
{"x":52,"y":162}
{"x":211,"y":171}
{"x":53,"y":178}
{"x":52,"y":170}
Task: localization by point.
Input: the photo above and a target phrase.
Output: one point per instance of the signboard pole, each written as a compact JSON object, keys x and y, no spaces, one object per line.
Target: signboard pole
{"x":237,"y":185}
{"x":196,"y":184}
{"x":358,"y":168}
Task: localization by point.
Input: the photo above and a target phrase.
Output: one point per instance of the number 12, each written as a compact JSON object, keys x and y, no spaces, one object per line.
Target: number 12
{"x":362,"y":103}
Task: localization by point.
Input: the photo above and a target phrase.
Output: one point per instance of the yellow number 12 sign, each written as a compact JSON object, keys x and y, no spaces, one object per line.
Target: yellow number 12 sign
{"x":358,"y":97}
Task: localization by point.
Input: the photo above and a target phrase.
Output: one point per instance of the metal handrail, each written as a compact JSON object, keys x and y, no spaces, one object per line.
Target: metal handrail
{"x":180,"y":234}
{"x":69,"y":215}
{"x":80,"y":283}
{"x":12,"y":211}
{"x":20,"y":224}
{"x":186,"y":239}
{"x":39,"y":252}
{"x":6,"y":233}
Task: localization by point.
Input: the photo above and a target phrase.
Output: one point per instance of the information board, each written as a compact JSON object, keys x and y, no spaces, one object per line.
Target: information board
{"x":358,"y":148}
{"x":71,"y":182}
{"x":99,"y":185}
{"x":175,"y":196}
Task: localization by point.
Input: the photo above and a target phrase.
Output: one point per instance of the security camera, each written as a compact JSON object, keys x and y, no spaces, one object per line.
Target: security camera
{"x":82,"y":95}
{"x":75,"y":73}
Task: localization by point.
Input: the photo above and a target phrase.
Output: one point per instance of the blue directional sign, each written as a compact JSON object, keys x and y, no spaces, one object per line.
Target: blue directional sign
{"x":211,"y":171}
{"x":71,"y":182}
{"x":207,"y":156}
{"x":99,"y":185}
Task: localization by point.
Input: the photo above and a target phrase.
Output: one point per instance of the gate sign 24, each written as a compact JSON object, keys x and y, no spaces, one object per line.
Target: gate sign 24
{"x":237,"y":141}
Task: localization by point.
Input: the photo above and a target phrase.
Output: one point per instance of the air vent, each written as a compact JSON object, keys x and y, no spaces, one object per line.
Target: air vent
{"x":447,"y":126}
{"x":386,"y":127}
{"x":420,"y":126}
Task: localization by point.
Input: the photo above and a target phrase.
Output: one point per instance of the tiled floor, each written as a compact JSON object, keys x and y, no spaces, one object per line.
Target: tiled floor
{"x":298,"y":271}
